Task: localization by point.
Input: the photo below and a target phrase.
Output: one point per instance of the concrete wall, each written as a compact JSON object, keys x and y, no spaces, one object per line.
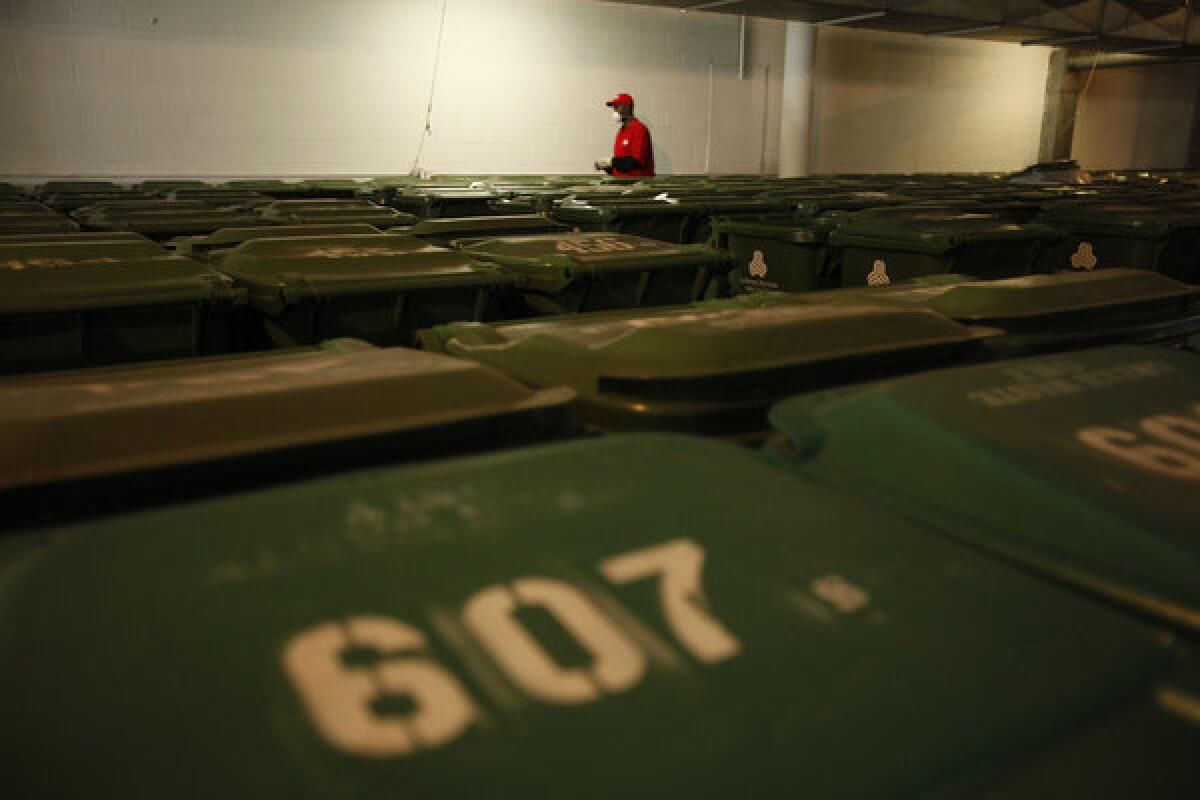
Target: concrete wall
{"x":314,"y":87}
{"x":1137,"y":117}
{"x":900,"y":103}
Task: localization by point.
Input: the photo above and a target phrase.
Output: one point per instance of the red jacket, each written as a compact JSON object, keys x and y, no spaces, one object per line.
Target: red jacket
{"x":633,"y":141}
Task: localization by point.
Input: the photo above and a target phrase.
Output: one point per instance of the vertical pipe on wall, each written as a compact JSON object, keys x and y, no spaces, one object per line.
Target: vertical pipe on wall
{"x":796,"y":114}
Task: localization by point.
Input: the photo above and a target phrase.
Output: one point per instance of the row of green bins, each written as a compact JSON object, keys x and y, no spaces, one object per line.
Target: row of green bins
{"x":445,"y":231}
{"x":211,"y":247}
{"x":657,"y":612}
{"x":572,"y":272}
{"x":444,"y":202}
{"x":711,"y":370}
{"x":334,"y":212}
{"x":1141,"y":235}
{"x":166,"y":220}
{"x":654,"y":219}
{"x":1077,"y":466}
{"x":880,"y":246}
{"x":1036,"y":313}
{"x":783,"y":252}
{"x":73,"y":303}
{"x":86,"y":442}
{"x":381,"y":288}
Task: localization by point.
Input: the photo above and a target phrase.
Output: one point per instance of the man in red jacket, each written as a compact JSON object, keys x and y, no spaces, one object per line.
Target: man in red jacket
{"x":633,"y":153}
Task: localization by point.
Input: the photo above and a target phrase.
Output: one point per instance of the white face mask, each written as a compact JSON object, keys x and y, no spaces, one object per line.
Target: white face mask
{"x":617,"y":117}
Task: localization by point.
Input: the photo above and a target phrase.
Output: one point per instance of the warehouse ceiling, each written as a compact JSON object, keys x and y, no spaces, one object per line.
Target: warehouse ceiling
{"x":1159,"y":27}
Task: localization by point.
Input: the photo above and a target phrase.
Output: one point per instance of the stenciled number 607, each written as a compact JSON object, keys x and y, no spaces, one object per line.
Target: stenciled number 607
{"x":339,"y":697}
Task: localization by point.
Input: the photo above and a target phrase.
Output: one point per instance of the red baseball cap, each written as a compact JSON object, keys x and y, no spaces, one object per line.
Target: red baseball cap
{"x":621,"y":98}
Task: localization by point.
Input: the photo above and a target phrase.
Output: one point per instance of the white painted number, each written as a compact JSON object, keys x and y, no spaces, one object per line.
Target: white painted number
{"x":1173,"y":450}
{"x":342,"y":698}
{"x":617,"y":664}
{"x":678,"y":565}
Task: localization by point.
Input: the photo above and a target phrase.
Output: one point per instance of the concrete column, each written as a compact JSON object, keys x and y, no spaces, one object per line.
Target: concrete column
{"x":1058,"y":116}
{"x":796,"y":113}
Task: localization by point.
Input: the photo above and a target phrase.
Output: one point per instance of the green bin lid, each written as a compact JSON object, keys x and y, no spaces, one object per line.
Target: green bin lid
{"x":93,"y":429}
{"x":62,"y":252}
{"x":1129,"y":219}
{"x":783,"y":228}
{"x":166,"y":185}
{"x":815,"y":203}
{"x":116,"y":274}
{"x":654,"y":612}
{"x":379,"y":217}
{"x":298,"y":268}
{"x":167,"y":222}
{"x":72,"y":237}
{"x":1082,"y":466}
{"x":223,"y":238}
{"x":1065,"y":308}
{"x":552,"y":260}
{"x":475,"y":227}
{"x":712,"y":369}
{"x":36,"y":223}
{"x":929,"y":230}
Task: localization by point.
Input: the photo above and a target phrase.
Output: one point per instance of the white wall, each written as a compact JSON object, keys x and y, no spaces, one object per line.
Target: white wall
{"x":339,"y":87}
{"x":1137,"y":117}
{"x":900,"y":103}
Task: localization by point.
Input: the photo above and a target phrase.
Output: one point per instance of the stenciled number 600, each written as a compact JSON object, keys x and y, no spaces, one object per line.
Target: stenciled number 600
{"x":339,"y":697}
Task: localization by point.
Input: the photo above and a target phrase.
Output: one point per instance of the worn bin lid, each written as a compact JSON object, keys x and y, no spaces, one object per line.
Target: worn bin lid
{"x":552,"y":261}
{"x":1083,"y":466}
{"x":1061,"y":309}
{"x":281,"y":270}
{"x":713,"y":626}
{"x":710,"y":369}
{"x":75,"y":237}
{"x":168,"y":184}
{"x":447,"y":228}
{"x":62,"y":252}
{"x":91,"y":430}
{"x":55,"y":278}
{"x":934,"y":231}
{"x":228,"y":238}
{"x":1129,"y":219}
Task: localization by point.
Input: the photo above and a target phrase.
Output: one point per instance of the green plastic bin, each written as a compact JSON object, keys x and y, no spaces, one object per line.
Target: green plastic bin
{"x":213,"y":246}
{"x":68,"y":305}
{"x":881,"y":246}
{"x":654,"y":219}
{"x":75,"y":237}
{"x":280,"y":190}
{"x":706,"y":370}
{"x":571,"y":272}
{"x":334,"y":212}
{"x":447,"y":202}
{"x":1082,"y":467}
{"x":80,"y":443}
{"x":1139,"y":235}
{"x":653,"y":615}
{"x":777,"y":253}
{"x":381,"y":288}
{"x":445,"y":231}
{"x":165,"y":185}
